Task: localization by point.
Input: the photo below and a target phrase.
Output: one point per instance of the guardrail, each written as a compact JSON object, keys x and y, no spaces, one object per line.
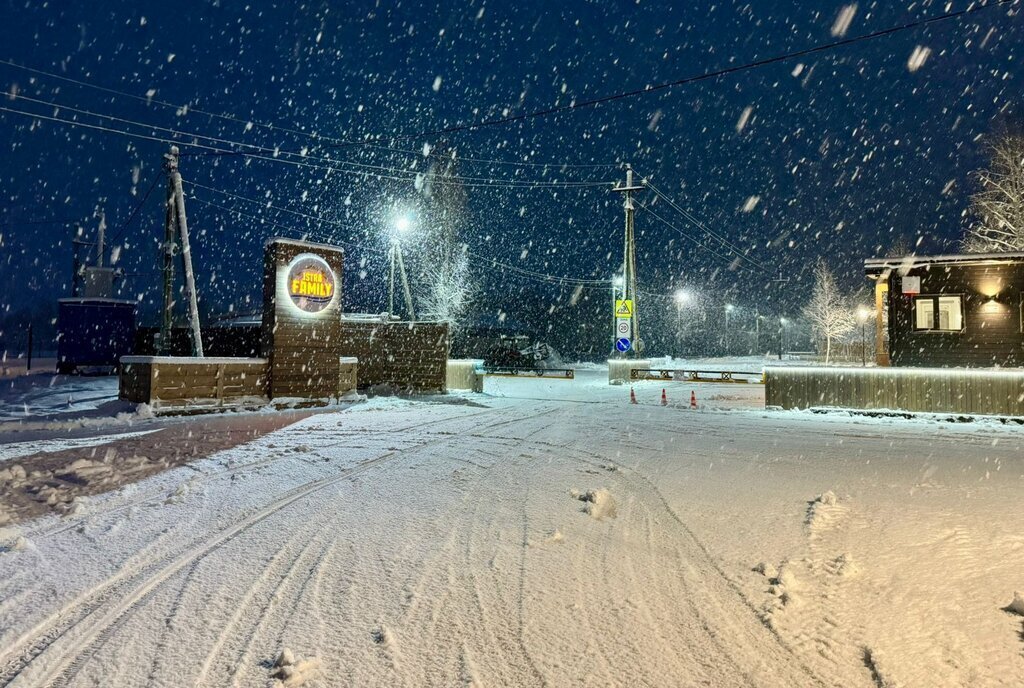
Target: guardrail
{"x":554,"y":373}
{"x":681,"y":374}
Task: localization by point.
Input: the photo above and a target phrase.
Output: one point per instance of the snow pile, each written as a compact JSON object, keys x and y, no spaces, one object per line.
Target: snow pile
{"x":823,"y":512}
{"x":598,"y":503}
{"x":843,"y":566}
{"x":11,"y":540}
{"x":292,"y":671}
{"x":1017,"y":605}
{"x":13,"y":474}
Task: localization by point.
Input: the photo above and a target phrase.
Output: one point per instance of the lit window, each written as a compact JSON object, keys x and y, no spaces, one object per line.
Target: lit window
{"x":924,"y":313}
{"x":939,"y":313}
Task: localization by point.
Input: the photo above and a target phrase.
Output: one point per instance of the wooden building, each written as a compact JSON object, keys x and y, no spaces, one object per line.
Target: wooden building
{"x":949,"y":311}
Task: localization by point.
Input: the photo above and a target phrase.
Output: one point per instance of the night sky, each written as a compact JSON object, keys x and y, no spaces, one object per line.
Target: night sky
{"x":848,"y":152}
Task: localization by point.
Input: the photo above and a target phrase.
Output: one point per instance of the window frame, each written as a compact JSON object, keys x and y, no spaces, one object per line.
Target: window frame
{"x":935,"y":313}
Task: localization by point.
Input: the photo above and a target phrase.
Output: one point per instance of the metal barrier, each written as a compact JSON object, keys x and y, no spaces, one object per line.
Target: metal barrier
{"x":696,"y":375}
{"x":555,"y":373}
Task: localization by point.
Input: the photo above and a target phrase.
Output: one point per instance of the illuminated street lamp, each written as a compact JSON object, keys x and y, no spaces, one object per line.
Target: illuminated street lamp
{"x":682,"y":298}
{"x":402,"y":225}
{"x":863,"y":314}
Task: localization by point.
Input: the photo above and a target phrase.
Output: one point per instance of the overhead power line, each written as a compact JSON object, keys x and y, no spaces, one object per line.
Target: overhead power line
{"x":157,"y":175}
{"x":695,"y":240}
{"x":705,"y":76}
{"x":533,"y":274}
{"x":272,"y":155}
{"x":725,"y":243}
{"x":318,"y":138}
{"x":163,"y":103}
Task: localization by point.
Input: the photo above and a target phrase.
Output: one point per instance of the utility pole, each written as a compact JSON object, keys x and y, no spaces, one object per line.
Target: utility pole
{"x":629,"y":291}
{"x":78,"y":269}
{"x":175,"y":229}
{"x":780,"y":280}
{"x":391,"y":280}
{"x":405,"y":285}
{"x":100,"y":239}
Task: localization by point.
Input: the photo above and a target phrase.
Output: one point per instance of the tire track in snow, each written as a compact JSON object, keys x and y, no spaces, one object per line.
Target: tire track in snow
{"x":703,"y":556}
{"x":62,"y":627}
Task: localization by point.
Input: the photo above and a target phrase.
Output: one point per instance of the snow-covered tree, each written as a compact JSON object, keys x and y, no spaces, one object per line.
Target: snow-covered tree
{"x":998,"y":206}
{"x":829,"y":310}
{"x":449,"y":289}
{"x":448,"y":285}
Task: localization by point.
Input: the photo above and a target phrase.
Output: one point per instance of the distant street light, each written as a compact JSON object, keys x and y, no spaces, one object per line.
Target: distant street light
{"x":402,"y":225}
{"x":863,"y":314}
{"x":682,"y":298}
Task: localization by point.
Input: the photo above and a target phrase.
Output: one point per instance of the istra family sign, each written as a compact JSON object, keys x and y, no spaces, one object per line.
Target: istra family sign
{"x":302,"y":296}
{"x":311,"y":283}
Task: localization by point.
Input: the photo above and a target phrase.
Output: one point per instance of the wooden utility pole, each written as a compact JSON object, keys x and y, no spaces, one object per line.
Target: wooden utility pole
{"x":175,"y":230}
{"x":629,"y":291}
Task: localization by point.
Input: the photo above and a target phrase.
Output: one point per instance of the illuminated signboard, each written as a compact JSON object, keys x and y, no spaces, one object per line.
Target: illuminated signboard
{"x":311,"y":283}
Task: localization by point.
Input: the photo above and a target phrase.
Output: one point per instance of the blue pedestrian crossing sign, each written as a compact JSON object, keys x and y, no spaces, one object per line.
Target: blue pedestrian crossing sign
{"x":623,"y":344}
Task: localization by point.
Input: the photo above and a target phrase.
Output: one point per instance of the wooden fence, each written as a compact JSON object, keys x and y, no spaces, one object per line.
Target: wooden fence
{"x":166,"y":381}
{"x":936,"y":390}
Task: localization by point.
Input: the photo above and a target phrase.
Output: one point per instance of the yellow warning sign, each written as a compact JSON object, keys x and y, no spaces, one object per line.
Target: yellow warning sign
{"x":623,"y":308}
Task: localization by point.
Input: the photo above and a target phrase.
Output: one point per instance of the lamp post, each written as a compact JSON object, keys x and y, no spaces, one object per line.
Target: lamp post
{"x":682,"y":298}
{"x":782,"y":336}
{"x":403,"y":223}
{"x":728,"y":309}
{"x":863,"y":313}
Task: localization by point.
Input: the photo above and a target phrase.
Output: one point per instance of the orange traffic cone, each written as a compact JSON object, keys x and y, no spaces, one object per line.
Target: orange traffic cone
{"x":693,"y":399}
{"x":632,"y":396}
{"x":664,"y":397}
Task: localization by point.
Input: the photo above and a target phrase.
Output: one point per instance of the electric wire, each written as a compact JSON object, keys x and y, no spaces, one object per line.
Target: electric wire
{"x":573,"y":281}
{"x":707,"y":75}
{"x":187,"y":109}
{"x":647,"y":208}
{"x":732,"y":248}
{"x":135,"y":211}
{"x":574,"y":105}
{"x":274,"y":153}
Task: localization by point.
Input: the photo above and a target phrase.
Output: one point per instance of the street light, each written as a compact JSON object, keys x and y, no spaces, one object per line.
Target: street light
{"x":863,"y":313}
{"x":782,"y":336}
{"x":402,"y":225}
{"x":682,"y":298}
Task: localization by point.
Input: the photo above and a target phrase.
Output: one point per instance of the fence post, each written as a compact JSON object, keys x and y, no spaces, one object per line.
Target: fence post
{"x":29,"y":368}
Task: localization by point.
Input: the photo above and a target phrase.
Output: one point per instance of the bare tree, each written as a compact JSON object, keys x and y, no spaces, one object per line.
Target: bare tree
{"x":998,"y":206}
{"x":829,"y":310}
{"x":448,"y":286}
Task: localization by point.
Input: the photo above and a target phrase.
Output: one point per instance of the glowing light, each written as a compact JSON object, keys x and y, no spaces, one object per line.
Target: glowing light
{"x":682,"y":297}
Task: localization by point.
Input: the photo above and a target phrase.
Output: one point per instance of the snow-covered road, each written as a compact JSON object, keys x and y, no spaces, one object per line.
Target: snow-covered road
{"x":548,"y":533}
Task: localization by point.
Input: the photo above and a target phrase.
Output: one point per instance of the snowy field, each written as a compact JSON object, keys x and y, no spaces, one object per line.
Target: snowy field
{"x":546,"y":532}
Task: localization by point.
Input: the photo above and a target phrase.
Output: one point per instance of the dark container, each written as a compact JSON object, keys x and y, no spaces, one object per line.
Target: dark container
{"x":93,"y":332}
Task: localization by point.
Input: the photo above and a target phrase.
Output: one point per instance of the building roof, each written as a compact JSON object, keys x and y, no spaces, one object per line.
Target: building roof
{"x":877,"y":265}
